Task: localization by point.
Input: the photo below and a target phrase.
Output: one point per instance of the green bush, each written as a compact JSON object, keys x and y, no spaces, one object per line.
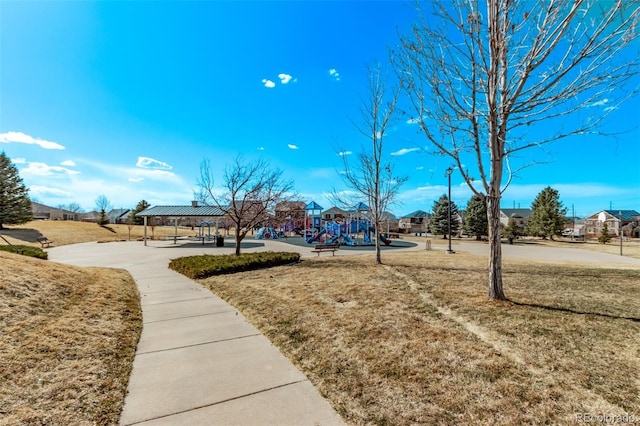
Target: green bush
{"x":198,"y":267}
{"x":26,"y":250}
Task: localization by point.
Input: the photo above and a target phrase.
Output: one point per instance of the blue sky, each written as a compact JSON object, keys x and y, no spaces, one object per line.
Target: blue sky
{"x":125,"y":99}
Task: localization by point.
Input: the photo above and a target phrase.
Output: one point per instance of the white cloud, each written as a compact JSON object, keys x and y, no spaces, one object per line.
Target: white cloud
{"x":415,"y":120}
{"x":19,"y":160}
{"x":153,"y":164}
{"x":19,"y":137}
{"x":599,"y":103}
{"x":261,"y":148}
{"x":343,"y":153}
{"x":420,"y":168}
{"x":405,"y":151}
{"x":43,"y":169}
{"x":136,"y":179}
{"x":291,"y":146}
{"x":68,"y":163}
{"x":45,"y":191}
{"x":334,"y":74}
{"x":285,"y":78}
{"x":268,"y":83}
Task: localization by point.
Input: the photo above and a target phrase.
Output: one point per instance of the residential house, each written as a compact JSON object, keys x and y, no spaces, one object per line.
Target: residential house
{"x":334,"y":213}
{"x":615,"y":220}
{"x":44,"y":212}
{"x":415,"y":222}
{"x":290,"y":214}
{"x":521,"y":217}
{"x":118,"y":215}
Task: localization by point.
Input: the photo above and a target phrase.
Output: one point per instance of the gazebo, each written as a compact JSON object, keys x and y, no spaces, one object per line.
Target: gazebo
{"x":178,"y":212}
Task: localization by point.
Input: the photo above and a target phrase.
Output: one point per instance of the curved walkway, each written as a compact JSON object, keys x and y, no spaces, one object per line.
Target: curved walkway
{"x":199,"y":361}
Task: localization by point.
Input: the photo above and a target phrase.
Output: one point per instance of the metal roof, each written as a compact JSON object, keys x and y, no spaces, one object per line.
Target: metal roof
{"x":183,"y":211}
{"x":626,"y":214}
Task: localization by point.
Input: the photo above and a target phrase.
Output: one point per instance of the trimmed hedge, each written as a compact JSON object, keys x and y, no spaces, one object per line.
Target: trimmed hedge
{"x":27,"y":251}
{"x":198,"y":267}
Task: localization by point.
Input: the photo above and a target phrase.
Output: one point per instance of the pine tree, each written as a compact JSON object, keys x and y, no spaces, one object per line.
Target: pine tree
{"x":142,"y":205}
{"x":547,"y":214}
{"x":440,"y":218}
{"x":475,"y":217}
{"x":604,"y":237}
{"x":15,"y":205}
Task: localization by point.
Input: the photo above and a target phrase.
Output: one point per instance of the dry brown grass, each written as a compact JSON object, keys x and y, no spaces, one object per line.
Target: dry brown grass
{"x":416,"y":342}
{"x":70,"y":232}
{"x":68,"y":341}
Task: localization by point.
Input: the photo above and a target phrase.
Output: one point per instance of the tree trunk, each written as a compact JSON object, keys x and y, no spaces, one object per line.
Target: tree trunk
{"x":238,"y":240}
{"x":377,"y":237}
{"x":495,"y":256}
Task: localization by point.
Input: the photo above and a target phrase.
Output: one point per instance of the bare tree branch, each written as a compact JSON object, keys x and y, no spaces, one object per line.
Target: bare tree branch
{"x":489,"y":80}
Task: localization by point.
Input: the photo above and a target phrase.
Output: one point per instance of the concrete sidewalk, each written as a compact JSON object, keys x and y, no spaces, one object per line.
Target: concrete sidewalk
{"x":199,"y":361}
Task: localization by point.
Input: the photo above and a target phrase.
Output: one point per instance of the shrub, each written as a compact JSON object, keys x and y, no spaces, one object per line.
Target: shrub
{"x":26,"y":250}
{"x":198,"y":267}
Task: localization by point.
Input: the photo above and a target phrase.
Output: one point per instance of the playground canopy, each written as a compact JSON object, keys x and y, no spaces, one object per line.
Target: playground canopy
{"x":177,"y":212}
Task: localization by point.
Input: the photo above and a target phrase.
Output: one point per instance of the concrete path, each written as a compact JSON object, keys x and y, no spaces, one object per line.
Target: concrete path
{"x":199,"y":361}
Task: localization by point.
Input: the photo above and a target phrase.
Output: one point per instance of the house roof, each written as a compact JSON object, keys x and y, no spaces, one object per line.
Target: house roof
{"x":626,"y":214}
{"x":516,"y":212}
{"x":117,"y":213}
{"x":417,"y":213}
{"x":183,"y":211}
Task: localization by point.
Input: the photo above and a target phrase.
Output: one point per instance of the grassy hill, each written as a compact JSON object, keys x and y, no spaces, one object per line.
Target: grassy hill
{"x":70,"y":232}
{"x":68,"y":341}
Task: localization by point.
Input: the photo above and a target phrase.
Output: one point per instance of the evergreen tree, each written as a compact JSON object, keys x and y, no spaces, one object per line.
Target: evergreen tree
{"x":15,"y":205}
{"x":547,"y":214}
{"x":141,"y":206}
{"x":440,"y":218}
{"x":475,"y":217}
{"x":512,"y":230}
{"x":604,"y":237}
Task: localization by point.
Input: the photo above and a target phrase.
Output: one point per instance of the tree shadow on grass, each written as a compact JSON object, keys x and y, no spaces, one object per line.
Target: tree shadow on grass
{"x":23,"y":234}
{"x":571,"y":311}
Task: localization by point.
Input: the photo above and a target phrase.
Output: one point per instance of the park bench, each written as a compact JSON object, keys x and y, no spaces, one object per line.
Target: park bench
{"x":44,"y":242}
{"x":326,"y":247}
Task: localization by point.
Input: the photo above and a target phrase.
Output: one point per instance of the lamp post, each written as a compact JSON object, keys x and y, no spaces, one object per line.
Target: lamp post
{"x":620,"y":230}
{"x":448,"y":174}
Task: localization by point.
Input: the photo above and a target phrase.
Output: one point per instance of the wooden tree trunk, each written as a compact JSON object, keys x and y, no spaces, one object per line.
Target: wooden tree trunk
{"x":495,"y":249}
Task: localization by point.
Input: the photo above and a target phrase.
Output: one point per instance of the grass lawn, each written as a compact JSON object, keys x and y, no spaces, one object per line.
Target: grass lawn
{"x":68,"y":341}
{"x":416,"y":342}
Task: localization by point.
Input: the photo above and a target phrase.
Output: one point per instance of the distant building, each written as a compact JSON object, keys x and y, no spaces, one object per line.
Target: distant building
{"x":118,"y":215}
{"x":615,"y":220}
{"x":289,"y":215}
{"x":44,"y":212}
{"x":415,"y":222}
{"x":520,"y":216}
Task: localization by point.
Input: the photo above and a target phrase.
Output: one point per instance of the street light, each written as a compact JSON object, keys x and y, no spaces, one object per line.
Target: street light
{"x":448,"y":174}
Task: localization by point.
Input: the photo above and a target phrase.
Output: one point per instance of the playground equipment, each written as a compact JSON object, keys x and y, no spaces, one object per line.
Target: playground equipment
{"x":267,"y":233}
{"x":332,"y":232}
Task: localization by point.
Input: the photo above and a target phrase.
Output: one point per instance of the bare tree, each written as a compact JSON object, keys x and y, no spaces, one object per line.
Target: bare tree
{"x":489,"y":81}
{"x":249,"y":193}
{"x":371,"y":178}
{"x":75,"y":207}
{"x":102,"y":206}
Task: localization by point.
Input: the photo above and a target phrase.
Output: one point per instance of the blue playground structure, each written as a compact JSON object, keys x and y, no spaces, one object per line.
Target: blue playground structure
{"x":332,"y":232}
{"x":267,"y":233}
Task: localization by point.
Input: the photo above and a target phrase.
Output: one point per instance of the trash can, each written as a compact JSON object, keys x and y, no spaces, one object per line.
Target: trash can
{"x":510,"y":239}
{"x":220,"y":241}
